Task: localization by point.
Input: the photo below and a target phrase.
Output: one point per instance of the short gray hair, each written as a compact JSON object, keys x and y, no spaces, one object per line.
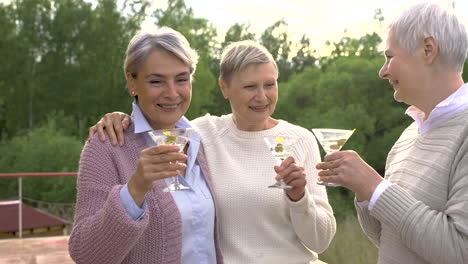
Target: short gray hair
{"x":241,"y":54}
{"x":163,"y":38}
{"x":429,"y":19}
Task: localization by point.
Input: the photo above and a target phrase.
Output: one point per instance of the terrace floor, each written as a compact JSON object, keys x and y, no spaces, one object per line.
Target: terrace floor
{"x":40,"y":250}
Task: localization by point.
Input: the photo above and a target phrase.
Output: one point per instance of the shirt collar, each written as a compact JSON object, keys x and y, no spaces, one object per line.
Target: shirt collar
{"x":142,"y":125}
{"x":456,"y":102}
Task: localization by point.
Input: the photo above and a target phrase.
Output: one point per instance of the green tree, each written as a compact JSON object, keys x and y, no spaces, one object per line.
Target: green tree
{"x":200,"y":33}
{"x":276,"y":41}
{"x":46,"y":148}
{"x":202,"y":36}
{"x":365,"y":46}
{"x":67,"y":56}
{"x":237,"y":32}
{"x":8,"y":48}
{"x":304,"y":57}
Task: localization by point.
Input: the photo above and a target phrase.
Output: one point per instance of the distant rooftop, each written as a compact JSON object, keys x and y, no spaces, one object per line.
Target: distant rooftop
{"x":32,"y":217}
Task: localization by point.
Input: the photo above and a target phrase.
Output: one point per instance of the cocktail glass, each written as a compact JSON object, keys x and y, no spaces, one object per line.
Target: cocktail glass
{"x":280,"y":148}
{"x":331,"y":140}
{"x":176,"y":136}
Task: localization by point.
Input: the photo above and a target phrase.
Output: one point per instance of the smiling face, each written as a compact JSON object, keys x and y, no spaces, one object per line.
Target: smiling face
{"x":164,"y":89}
{"x":253,"y":94}
{"x":405,"y":72}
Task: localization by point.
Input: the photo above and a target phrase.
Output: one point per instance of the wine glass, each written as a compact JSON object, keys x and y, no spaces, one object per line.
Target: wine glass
{"x":280,"y":148}
{"x":175,"y":136}
{"x":331,"y":140}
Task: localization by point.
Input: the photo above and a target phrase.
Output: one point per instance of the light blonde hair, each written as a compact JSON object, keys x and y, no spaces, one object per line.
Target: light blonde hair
{"x":239,"y":55}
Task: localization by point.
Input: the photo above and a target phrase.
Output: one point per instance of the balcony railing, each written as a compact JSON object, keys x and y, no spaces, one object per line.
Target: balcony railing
{"x":20,"y":189}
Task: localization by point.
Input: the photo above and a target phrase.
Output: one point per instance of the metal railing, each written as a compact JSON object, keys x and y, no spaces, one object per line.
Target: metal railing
{"x":20,"y":189}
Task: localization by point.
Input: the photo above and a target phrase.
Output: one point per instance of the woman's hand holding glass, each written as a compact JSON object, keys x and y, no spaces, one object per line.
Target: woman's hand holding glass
{"x":293,"y":175}
{"x":155,"y":163}
{"x":348,"y":169}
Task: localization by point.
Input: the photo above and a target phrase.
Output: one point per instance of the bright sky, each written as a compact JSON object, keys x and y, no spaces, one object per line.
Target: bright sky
{"x":320,"y":20}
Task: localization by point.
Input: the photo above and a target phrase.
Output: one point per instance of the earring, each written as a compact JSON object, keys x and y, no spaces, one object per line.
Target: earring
{"x":133,"y":93}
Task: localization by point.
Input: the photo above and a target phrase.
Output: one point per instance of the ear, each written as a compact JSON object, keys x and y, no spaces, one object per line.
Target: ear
{"x":224,"y":89}
{"x":431,"y":49}
{"x":131,"y":86}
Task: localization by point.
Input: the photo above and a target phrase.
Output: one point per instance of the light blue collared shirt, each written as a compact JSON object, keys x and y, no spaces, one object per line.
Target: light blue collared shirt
{"x":455,"y":103}
{"x":195,"y":205}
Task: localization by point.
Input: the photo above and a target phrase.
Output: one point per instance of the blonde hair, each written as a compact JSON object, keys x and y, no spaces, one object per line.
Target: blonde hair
{"x":241,"y":54}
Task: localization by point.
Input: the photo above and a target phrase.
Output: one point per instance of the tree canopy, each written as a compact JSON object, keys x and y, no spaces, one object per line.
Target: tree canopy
{"x":62,"y":70}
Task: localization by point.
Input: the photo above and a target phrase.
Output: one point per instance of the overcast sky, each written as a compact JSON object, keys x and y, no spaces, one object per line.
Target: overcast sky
{"x":320,"y":20}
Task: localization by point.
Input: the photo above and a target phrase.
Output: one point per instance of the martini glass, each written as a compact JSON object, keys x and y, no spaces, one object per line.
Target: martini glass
{"x":280,"y":148}
{"x":176,"y":136}
{"x":331,"y":140}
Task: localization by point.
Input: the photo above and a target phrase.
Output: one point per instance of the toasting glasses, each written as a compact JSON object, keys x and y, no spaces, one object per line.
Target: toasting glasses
{"x":331,"y":140}
{"x":280,"y":148}
{"x":176,"y":136}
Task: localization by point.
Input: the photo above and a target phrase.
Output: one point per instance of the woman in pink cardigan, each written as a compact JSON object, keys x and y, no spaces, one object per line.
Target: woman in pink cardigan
{"x":122,"y":213}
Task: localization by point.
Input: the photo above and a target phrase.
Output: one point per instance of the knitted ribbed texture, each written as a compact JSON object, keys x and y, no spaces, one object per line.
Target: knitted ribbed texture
{"x":423,"y":216}
{"x":258,"y":224}
{"x":103,"y":232}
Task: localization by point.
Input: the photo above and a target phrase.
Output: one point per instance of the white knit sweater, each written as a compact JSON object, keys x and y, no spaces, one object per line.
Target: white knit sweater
{"x":259,"y":224}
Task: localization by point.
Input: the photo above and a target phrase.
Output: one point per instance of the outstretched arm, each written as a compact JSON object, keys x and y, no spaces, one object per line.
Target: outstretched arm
{"x":115,"y":124}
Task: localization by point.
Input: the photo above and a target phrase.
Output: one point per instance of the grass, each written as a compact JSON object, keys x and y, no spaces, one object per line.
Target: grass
{"x":350,"y":245}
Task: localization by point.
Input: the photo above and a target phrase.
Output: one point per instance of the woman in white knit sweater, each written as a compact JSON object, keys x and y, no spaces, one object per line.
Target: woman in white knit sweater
{"x":419,"y":212}
{"x":258,"y":224}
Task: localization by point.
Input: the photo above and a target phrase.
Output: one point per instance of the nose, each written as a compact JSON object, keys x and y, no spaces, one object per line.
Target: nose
{"x":171,"y":89}
{"x":383,"y":73}
{"x":260,"y":95}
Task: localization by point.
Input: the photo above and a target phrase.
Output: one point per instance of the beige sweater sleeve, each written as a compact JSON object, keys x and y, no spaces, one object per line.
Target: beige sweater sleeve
{"x":438,"y":237}
{"x":369,"y":224}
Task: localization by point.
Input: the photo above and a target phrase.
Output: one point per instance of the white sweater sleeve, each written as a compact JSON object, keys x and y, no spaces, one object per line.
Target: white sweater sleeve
{"x":312,"y":216}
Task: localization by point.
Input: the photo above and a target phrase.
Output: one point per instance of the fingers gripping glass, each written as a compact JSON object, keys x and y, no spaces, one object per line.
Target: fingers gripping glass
{"x":280,"y":147}
{"x":176,"y":136}
{"x":331,"y":140}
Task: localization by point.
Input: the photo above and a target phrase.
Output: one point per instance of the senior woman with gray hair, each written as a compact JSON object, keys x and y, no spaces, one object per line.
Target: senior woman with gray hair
{"x":418,"y":213}
{"x":122,"y":213}
{"x":257,"y":224}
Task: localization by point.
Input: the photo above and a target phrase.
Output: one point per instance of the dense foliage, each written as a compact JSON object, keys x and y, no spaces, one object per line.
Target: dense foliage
{"x":62,"y":69}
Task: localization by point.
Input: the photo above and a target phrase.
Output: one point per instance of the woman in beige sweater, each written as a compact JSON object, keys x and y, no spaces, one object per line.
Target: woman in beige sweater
{"x":419,"y":212}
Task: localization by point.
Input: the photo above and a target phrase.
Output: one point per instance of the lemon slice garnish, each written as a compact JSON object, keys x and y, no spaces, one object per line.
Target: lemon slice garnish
{"x":170,"y":139}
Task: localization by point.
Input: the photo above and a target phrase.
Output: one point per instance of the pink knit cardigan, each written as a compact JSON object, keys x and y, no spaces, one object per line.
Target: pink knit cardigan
{"x":103,"y":232}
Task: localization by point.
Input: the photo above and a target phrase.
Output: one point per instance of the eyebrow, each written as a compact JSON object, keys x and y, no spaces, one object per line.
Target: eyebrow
{"x":163,"y":76}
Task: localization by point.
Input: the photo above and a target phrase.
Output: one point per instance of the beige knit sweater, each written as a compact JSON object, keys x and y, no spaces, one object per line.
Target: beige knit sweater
{"x":423,"y":216}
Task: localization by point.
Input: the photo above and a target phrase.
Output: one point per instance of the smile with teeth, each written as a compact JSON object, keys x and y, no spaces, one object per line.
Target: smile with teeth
{"x":168,"y":106}
{"x":262,"y":107}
